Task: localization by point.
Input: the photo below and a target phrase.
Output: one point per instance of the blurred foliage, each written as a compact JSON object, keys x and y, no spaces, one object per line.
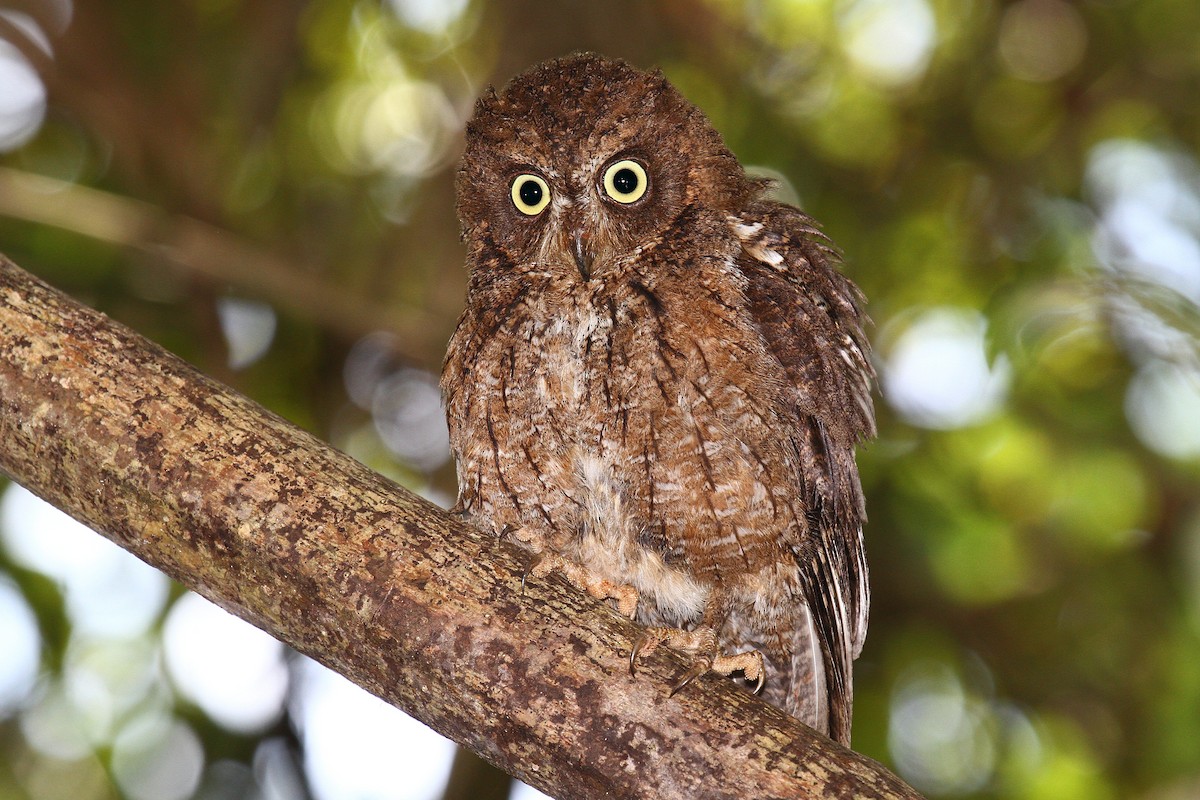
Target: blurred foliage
{"x":1015,"y":186}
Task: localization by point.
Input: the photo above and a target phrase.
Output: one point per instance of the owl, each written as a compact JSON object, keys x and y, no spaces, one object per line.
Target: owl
{"x":659,"y":381}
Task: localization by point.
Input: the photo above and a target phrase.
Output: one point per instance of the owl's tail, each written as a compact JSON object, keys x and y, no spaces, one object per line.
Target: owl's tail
{"x":811,"y":696}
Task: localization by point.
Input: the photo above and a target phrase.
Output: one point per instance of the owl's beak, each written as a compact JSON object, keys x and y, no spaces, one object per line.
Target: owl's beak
{"x":582,"y":253}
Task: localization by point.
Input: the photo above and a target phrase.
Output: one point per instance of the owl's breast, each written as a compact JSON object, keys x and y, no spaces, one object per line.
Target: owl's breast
{"x":618,"y":421}
{"x":564,"y":351}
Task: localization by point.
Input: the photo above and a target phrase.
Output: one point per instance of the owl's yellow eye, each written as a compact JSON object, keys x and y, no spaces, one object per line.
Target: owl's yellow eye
{"x":626,"y":181}
{"x":530,"y":194}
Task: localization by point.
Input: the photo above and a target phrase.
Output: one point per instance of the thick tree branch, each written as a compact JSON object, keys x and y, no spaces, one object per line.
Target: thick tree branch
{"x":383,"y":587}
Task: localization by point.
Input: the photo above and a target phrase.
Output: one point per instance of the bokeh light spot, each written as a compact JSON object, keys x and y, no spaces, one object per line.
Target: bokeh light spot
{"x":1041,"y":40}
{"x":248,"y":327}
{"x":940,"y":736}
{"x":370,"y":361}
{"x":428,"y":16}
{"x":1150,"y":213}
{"x":22,"y":94}
{"x":232,"y":670}
{"x":854,"y":125}
{"x":20,"y":644}
{"x":53,"y":725}
{"x":358,"y":746}
{"x":1163,"y":408}
{"x":109,"y":592}
{"x":937,"y":374}
{"x":396,"y":125}
{"x":1087,"y":511}
{"x":1015,"y":470}
{"x":407,"y":410}
{"x":157,"y":760}
{"x":103,"y":685}
{"x":890,"y":40}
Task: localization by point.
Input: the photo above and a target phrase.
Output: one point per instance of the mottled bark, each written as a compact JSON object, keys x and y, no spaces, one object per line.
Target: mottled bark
{"x":385,"y":588}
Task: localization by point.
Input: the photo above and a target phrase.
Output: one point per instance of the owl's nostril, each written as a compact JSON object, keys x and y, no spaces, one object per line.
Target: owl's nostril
{"x":582,"y":253}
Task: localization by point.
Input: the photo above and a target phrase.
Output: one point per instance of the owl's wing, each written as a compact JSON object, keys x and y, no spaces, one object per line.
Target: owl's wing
{"x":809,"y":315}
{"x":811,"y":322}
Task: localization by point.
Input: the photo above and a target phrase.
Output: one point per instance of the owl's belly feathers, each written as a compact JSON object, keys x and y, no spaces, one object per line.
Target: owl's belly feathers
{"x":625,"y":453}
{"x":585,"y":439}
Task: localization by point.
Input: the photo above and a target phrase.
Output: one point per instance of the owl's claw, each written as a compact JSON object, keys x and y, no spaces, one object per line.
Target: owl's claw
{"x":699,"y":667}
{"x":645,"y":644}
{"x":702,"y":643}
{"x":540,"y":565}
{"x":530,"y":565}
{"x":762,"y":675}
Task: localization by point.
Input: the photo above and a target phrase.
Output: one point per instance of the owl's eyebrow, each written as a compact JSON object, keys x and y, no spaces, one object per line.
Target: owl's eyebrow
{"x":516,"y":168}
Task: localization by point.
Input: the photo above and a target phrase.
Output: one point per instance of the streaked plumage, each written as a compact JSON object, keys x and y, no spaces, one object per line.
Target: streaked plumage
{"x":666,"y":391}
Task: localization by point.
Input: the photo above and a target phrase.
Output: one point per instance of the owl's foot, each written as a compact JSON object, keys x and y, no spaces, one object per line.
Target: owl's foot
{"x":702,"y":644}
{"x":624,"y":595}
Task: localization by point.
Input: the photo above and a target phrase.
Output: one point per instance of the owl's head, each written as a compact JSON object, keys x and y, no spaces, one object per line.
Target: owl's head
{"x":582,"y":162}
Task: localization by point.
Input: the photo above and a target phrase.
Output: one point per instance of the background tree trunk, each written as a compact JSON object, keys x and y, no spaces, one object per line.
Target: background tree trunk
{"x":383,"y":587}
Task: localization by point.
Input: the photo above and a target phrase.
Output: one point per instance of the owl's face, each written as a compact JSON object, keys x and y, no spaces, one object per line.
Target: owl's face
{"x":582,"y":163}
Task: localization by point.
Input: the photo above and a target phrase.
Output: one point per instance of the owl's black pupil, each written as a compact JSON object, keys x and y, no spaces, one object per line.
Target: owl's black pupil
{"x":531,"y":193}
{"x":625,"y":181}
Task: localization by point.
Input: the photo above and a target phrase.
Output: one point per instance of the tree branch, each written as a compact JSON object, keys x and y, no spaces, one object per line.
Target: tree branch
{"x":212,"y":253}
{"x":385,"y":588}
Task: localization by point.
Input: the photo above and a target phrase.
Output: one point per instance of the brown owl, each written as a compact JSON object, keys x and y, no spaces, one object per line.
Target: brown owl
{"x":659,"y":380}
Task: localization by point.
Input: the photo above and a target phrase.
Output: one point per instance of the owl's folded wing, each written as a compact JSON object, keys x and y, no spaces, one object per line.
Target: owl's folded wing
{"x":811,"y":322}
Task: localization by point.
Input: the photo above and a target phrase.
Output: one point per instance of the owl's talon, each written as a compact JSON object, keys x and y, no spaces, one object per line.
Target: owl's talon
{"x":751,"y":665}
{"x":525,"y":573}
{"x":699,"y":667}
{"x":702,"y":644}
{"x":645,"y":644}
